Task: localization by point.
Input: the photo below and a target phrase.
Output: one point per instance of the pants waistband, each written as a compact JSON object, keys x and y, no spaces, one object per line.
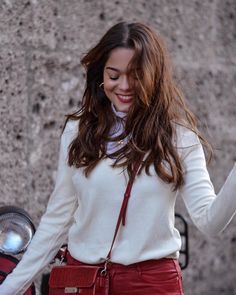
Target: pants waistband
{"x":152,"y":262}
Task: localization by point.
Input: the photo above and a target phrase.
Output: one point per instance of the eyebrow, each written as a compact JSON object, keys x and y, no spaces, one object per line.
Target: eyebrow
{"x":116,"y":70}
{"x":113,"y":69}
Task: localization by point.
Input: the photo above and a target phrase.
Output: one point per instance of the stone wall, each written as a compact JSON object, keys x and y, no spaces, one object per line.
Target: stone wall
{"x":41,"y":42}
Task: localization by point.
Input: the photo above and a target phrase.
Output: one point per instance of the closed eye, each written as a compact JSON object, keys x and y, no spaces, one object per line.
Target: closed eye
{"x":113,"y":78}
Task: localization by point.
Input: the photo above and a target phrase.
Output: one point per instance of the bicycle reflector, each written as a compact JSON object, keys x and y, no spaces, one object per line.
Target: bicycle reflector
{"x":16,"y":230}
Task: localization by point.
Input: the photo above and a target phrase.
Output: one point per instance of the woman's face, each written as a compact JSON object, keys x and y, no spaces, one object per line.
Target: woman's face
{"x":116,"y":80}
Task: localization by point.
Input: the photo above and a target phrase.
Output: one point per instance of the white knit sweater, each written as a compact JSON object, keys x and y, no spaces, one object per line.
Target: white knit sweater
{"x":86,"y":210}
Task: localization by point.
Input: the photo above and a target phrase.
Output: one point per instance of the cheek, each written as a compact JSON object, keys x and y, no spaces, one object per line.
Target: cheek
{"x":109,"y":86}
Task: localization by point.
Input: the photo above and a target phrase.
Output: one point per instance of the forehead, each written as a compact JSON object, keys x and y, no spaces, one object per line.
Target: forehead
{"x":119,"y":58}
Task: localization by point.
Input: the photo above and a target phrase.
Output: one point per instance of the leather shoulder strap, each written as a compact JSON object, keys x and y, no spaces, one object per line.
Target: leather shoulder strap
{"x":123,"y":209}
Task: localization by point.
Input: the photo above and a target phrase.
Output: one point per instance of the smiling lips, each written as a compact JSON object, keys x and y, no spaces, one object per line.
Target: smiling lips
{"x":125,"y":98}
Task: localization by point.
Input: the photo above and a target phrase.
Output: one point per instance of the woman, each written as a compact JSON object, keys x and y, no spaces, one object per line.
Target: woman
{"x":132,"y":112}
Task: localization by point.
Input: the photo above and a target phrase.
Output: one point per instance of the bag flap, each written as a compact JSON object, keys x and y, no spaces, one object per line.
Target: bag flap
{"x":73,"y":276}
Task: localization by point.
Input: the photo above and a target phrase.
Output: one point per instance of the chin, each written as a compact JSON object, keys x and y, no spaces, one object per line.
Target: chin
{"x":122,"y":108}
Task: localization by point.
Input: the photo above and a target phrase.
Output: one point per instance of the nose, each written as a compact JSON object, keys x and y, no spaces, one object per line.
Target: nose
{"x":124,"y":84}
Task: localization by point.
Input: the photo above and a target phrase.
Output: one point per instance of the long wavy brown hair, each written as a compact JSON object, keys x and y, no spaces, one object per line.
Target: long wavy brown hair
{"x":151,"y":119}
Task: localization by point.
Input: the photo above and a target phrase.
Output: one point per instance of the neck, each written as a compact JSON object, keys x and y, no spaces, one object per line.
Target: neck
{"x":118,"y":113}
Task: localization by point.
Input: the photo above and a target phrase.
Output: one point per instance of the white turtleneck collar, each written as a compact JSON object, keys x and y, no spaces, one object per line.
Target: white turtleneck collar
{"x":116,"y":130}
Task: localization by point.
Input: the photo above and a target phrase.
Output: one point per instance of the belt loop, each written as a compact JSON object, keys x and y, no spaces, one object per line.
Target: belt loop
{"x":139,"y":268}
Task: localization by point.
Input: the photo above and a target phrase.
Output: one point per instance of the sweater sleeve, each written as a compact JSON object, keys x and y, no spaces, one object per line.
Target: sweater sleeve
{"x":211,"y":213}
{"x":52,"y":230}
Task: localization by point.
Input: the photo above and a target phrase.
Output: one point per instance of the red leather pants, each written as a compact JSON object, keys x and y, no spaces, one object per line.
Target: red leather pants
{"x":159,"y":277}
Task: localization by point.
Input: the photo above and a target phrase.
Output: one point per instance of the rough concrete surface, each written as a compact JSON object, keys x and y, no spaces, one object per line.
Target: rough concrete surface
{"x":41,"y":43}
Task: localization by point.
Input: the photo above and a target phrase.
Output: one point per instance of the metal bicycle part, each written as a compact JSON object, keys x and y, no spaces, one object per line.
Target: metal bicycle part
{"x":16,"y":230}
